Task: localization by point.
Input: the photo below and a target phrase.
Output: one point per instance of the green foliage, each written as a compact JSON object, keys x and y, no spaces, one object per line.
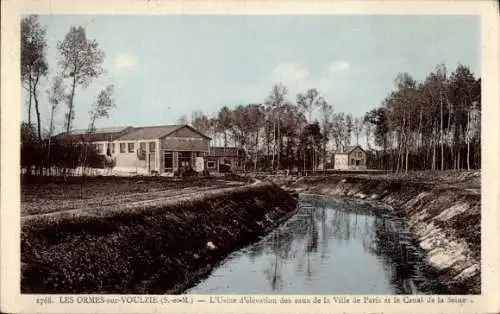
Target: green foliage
{"x":80,"y":61}
{"x":434,"y":124}
{"x":103,"y":104}
{"x":378,"y":117}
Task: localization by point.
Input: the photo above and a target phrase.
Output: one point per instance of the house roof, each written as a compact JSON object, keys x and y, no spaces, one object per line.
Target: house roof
{"x":348,"y":149}
{"x":99,"y":134}
{"x":99,"y":130}
{"x":155,"y":132}
{"x":149,"y":133}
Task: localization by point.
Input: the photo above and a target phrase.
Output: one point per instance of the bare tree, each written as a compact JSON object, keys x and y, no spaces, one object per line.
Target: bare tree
{"x":81,"y":61}
{"x":100,"y":109}
{"x":326,"y":124}
{"x":308,"y":101}
{"x":225,"y":121}
{"x":358,"y":128}
{"x":368,"y":127}
{"x":182,"y":119}
{"x":56,"y":94}
{"x":102,"y":106}
{"x":348,"y":128}
{"x":337,"y":131}
{"x":200,"y":121}
{"x":274,"y":102}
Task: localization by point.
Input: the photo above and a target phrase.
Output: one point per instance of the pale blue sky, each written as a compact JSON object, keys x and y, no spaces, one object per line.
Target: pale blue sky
{"x":167,"y":66}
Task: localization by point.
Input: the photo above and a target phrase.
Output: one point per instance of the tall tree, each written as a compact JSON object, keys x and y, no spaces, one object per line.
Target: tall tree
{"x":358,"y":128}
{"x":348,"y":128}
{"x":256,"y":119}
{"x":311,"y":139}
{"x":464,"y":95}
{"x":368,"y":127}
{"x":337,"y":131}
{"x":102,"y":106}
{"x":33,"y":61}
{"x":326,"y":125}
{"x":224,"y":122}
{"x":56,"y":94}
{"x":379,"y":119}
{"x":200,"y":121}
{"x":292,"y":125}
{"x":81,"y":61}
{"x":100,"y":109}
{"x":275,"y":100}
{"x":308,"y":101}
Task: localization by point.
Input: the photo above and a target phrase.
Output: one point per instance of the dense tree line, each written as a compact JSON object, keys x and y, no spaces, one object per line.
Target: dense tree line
{"x":434,"y":125}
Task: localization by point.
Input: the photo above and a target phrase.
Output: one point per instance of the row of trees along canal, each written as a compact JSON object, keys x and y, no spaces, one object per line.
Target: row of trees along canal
{"x":80,"y":62}
{"x":434,"y":124}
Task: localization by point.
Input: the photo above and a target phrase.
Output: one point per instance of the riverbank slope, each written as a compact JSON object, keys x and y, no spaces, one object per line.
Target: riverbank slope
{"x":157,"y":247}
{"x":443,"y":213}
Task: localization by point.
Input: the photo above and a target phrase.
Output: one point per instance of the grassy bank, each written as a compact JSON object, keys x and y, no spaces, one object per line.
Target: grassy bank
{"x":152,"y":248}
{"x":444,"y":216}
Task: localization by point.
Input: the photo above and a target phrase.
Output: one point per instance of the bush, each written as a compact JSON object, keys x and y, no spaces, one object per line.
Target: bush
{"x":62,"y":155}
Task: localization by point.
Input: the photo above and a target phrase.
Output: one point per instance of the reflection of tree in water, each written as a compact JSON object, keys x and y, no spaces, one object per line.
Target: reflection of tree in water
{"x":341,"y":225}
{"x":297,"y":239}
{"x":279,"y":245}
{"x":392,"y":245}
{"x":320,"y":219}
{"x":352,"y":219}
{"x":312,"y":231}
{"x":255,"y":251}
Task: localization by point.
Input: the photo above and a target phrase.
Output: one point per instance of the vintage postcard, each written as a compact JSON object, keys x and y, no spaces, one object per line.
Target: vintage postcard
{"x":249,"y":157}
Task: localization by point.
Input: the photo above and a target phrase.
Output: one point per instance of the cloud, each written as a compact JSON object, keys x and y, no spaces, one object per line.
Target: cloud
{"x":125,"y":62}
{"x":338,"y":66}
{"x":290,"y":73}
{"x":298,"y":79}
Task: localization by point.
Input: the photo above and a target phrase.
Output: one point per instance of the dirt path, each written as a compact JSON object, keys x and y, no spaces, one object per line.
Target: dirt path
{"x":46,"y":206}
{"x":109,"y":208}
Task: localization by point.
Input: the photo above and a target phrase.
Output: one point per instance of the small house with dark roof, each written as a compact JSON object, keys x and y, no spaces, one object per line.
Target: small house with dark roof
{"x":349,"y":158}
{"x":230,"y":157}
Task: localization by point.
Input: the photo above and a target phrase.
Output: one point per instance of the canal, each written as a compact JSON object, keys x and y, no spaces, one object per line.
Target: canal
{"x":330,"y":246}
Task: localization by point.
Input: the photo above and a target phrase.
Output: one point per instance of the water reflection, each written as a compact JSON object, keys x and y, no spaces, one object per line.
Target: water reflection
{"x":329,"y":246}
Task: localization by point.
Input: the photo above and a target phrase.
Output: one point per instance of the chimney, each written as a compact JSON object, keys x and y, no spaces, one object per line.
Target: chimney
{"x":341,"y":148}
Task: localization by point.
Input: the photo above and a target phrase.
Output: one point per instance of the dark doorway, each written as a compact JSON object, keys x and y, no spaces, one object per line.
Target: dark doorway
{"x":185,"y":159}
